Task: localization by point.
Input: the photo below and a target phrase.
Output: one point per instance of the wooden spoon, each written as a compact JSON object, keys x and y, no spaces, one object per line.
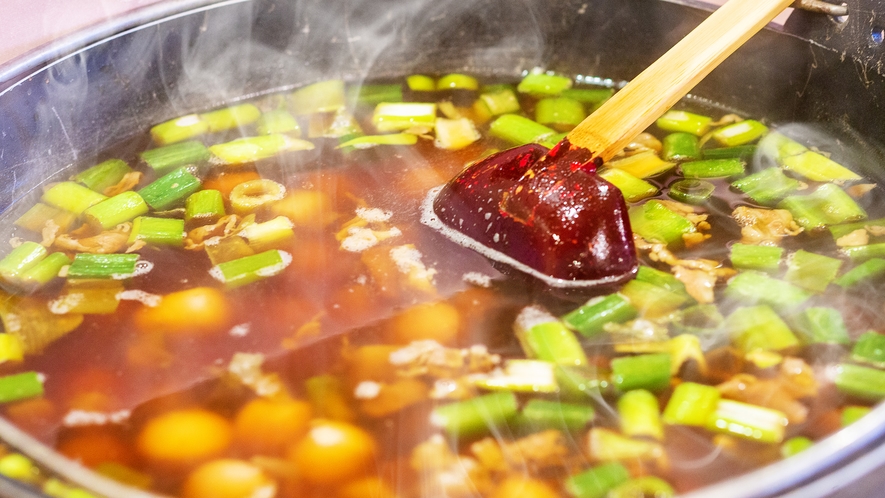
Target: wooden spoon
{"x":632,"y":109}
{"x":547,"y":213}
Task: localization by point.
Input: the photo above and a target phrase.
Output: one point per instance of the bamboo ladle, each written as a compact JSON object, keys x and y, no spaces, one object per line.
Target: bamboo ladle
{"x":546,"y":213}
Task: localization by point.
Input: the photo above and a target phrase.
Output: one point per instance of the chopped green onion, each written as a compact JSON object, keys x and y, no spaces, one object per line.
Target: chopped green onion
{"x":20,"y":386}
{"x":811,"y":271}
{"x":544,"y":337}
{"x":170,"y":189}
{"x":691,"y":404}
{"x":640,"y":415}
{"x":633,"y":189}
{"x":798,"y":158}
{"x":748,"y":421}
{"x":20,"y":259}
{"x":713,"y":168}
{"x":369,"y":141}
{"x":863,"y":253}
{"x":519,"y":130}
{"x":654,"y":222}
{"x":457,"y":81}
{"x":643,"y":164}
{"x":685,"y":122}
{"x":543,"y":84}
{"x":163,"y":159}
{"x":232,"y":117}
{"x":597,"y":481}
{"x":641,"y":487}
{"x":323,"y":96}
{"x":662,"y":279}
{"x":870,"y":349}
{"x":45,"y":271}
{"x":251,"y":149}
{"x":861,"y":382}
{"x":560,"y":113}
{"x":590,"y":318}
{"x":398,"y":116}
{"x":680,"y":146}
{"x":475,"y":416}
{"x":36,"y":218}
{"x":71,"y":196}
{"x":454,"y":134}
{"x":851,"y":414}
{"x":115,"y":266}
{"x":607,"y":445}
{"x":866,"y":271}
{"x":753,"y":257}
{"x":204,"y":207}
{"x":88,"y":297}
{"x":250,"y":269}
{"x":754,"y":287}
{"x":178,"y":129}
{"x":224,"y":249}
{"x":268,"y":234}
{"x":530,"y":376}
{"x":742,"y":152}
{"x":540,"y":414}
{"x":759,"y":327}
{"x":278,"y":121}
{"x":652,"y":301}
{"x":502,"y":101}
{"x":591,"y":96}
{"x":645,"y":371}
{"x":375,"y":94}
{"x":739,"y":133}
{"x":841,"y":230}
{"x":691,"y":191}
{"x":158,"y":231}
{"x":420,"y":83}
{"x":820,"y":325}
{"x":579,"y":384}
{"x":103,"y":175}
{"x":795,"y":445}
{"x":118,"y":209}
{"x":767,"y":186}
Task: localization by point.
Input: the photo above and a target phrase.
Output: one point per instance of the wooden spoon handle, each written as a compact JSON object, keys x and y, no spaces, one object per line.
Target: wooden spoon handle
{"x":632,"y":109}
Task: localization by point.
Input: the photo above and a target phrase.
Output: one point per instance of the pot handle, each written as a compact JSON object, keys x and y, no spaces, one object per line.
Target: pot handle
{"x":860,"y":34}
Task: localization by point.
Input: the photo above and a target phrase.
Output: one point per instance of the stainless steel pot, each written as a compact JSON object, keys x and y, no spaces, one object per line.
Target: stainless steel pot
{"x":63,"y":105}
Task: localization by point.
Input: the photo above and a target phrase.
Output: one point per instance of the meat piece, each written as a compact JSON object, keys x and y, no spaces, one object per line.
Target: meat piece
{"x":764,"y":226}
{"x":107,"y":242}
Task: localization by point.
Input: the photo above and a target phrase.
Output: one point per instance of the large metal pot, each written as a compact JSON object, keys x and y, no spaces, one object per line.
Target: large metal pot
{"x":63,"y":105}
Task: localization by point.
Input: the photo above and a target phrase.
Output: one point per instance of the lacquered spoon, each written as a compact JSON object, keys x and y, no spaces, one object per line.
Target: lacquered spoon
{"x":547,"y":213}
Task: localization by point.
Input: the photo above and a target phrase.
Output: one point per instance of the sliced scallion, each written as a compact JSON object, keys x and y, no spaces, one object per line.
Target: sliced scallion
{"x":163,"y":159}
{"x":820,"y":325}
{"x":680,"y":146}
{"x":375,"y":94}
{"x":683,"y":121}
{"x":740,"y":133}
{"x":454,"y":134}
{"x":590,"y":318}
{"x":759,"y":327}
{"x":633,"y":189}
{"x":204,"y":207}
{"x":542,"y":414}
{"x":36,"y":218}
{"x":755,"y":257}
{"x":268,"y":234}
{"x":250,"y":149}
{"x":742,"y":152}
{"x":21,"y":259}
{"x":645,"y":371}
{"x":748,"y":421}
{"x":502,"y":101}
{"x":754,"y":287}
{"x":860,"y":381}
{"x":544,"y":337}
{"x":250,"y":269}
{"x":799,"y":159}
{"x":20,"y":386}
{"x":178,"y":129}
{"x":828,"y":205}
{"x":795,"y":445}
{"x":44,"y":272}
{"x":157,"y":231}
{"x":118,"y":209}
{"x":642,"y":486}
{"x":170,"y":189}
{"x":323,"y":96}
{"x":252,"y":195}
{"x":71,"y":196}
{"x":870,"y":349}
{"x":691,"y":404}
{"x":691,"y":191}
{"x":103,"y":175}
{"x":475,"y":416}
{"x":713,"y":168}
{"x":654,"y":222}
{"x":640,"y":415}
{"x":560,"y":113}
{"x":519,"y":130}
{"x":767,"y":186}
{"x":115,"y":266}
{"x":88,"y":297}
{"x":369,"y":141}
{"x":420,"y":83}
{"x":278,"y":121}
{"x":232,"y":117}
{"x":399,"y":116}
{"x":597,"y":481}
{"x":457,"y":81}
{"x":520,"y":375}
{"x":543,"y":84}
{"x":643,"y":164}
{"x":811,"y":271}
{"x":866,"y":271}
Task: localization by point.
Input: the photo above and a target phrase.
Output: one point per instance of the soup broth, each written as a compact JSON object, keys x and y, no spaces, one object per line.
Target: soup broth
{"x":285,"y":325}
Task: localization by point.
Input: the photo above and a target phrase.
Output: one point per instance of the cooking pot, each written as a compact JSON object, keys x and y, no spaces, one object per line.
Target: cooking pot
{"x":64,"y":105}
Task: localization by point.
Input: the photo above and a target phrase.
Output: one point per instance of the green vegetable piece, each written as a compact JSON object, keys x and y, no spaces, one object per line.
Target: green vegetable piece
{"x":246,"y":270}
{"x":645,"y":371}
{"x":811,"y":271}
{"x":642,"y":486}
{"x":19,"y":467}
{"x":521,"y":375}
{"x":828,"y":205}
{"x":691,"y":404}
{"x":543,"y":84}
{"x":753,"y":257}
{"x":591,"y":96}
{"x":251,"y":149}
{"x":680,"y":146}
{"x":44,"y":272}
{"x":740,"y":133}
{"x":579,"y":384}
{"x":457,"y":81}
{"x":163,"y":159}
{"x":682,"y":121}
{"x":795,"y":445}
{"x":561,"y":113}
{"x":232,"y":117}
{"x":651,"y":300}
{"x":767,"y":186}
{"x":633,"y":189}
{"x":864,"y":253}
{"x":742,"y":152}
{"x":851,"y":414}
{"x":71,"y":196}
{"x":374,"y":94}
{"x":691,"y":191}
{"x":158,"y":231}
{"x":20,"y":386}
{"x":861,"y":382}
{"x":645,"y":164}
{"x":868,"y":270}
{"x":475,"y":416}
{"x":115,"y":266}
{"x":21,"y":259}
{"x":543,"y":337}
{"x":753,"y":287}
{"x":841,"y":230}
{"x":178,"y":129}
{"x":369,"y":141}
{"x":654,"y":222}
{"x":748,"y":421}
{"x":799,"y":159}
{"x":519,"y":130}
{"x":640,"y":415}
{"x":323,"y":96}
{"x":597,"y":481}
{"x":870,"y":349}
{"x":820,"y":325}
{"x":455,"y":134}
{"x":713,"y":168}
{"x":103,"y":175}
{"x":35,"y":218}
{"x":590,"y":318}
{"x":759,"y":327}
{"x":501,"y":101}
{"x":389,"y":117}
{"x":204,"y":207}
{"x":278,"y":121}
{"x":420,"y":83}
{"x":660,"y":278}
{"x":169,"y":190}
{"x":540,"y":414}
{"x":120,"y":208}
